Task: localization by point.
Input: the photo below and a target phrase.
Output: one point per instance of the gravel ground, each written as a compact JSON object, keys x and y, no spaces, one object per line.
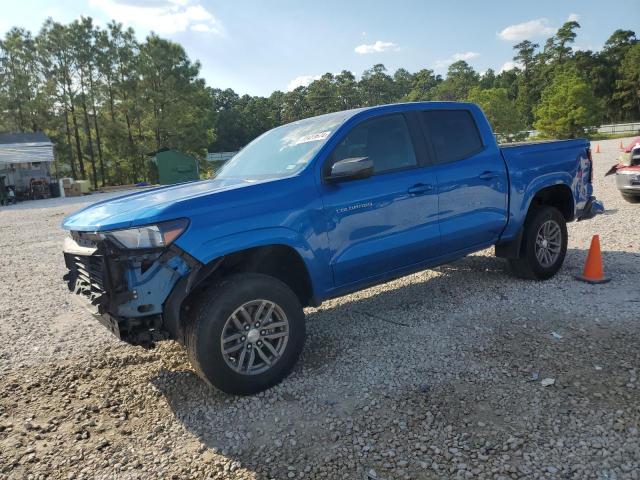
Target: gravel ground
{"x":440,"y":374}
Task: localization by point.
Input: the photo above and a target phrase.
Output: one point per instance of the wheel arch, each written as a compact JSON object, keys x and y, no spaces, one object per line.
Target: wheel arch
{"x":557,"y":195}
{"x":279,"y":260}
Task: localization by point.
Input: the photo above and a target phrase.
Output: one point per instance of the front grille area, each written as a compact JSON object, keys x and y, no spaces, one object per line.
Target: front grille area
{"x":86,"y":276}
{"x":101,"y":282}
{"x":98,"y":272}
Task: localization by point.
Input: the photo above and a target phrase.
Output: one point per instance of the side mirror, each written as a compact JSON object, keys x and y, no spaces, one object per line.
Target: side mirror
{"x":350,"y":169}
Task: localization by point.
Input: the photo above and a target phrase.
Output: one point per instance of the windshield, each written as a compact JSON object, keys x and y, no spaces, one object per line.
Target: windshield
{"x":285,"y":150}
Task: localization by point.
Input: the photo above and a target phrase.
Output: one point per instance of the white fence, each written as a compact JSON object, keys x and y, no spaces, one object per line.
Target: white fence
{"x":620,"y":128}
{"x":630,"y":128}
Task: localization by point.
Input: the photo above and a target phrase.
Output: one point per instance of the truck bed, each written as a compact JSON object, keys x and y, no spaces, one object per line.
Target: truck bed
{"x":538,"y":142}
{"x":550,"y":154}
{"x":533,"y":163}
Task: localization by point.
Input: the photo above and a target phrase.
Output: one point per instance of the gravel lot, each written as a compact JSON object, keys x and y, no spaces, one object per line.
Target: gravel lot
{"x":436,"y":375}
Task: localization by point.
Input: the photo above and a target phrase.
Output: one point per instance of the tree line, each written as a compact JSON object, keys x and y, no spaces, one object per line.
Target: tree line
{"x":105,"y":99}
{"x":108,"y":100}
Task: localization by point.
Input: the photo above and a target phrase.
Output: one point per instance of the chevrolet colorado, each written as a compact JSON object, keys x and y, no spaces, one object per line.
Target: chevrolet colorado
{"x":316,"y":209}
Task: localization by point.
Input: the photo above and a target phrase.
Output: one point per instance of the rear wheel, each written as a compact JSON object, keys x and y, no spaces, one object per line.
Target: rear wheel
{"x":544,"y":244}
{"x":246,"y":333}
{"x":631,"y":198}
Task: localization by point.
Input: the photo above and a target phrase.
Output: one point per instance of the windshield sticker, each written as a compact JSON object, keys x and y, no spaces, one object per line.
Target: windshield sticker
{"x":313,"y":137}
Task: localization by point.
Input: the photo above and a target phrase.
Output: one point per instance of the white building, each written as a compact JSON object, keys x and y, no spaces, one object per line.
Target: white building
{"x":25,"y":158}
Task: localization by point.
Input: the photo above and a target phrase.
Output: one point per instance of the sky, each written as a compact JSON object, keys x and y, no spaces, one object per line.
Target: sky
{"x":256,"y":47}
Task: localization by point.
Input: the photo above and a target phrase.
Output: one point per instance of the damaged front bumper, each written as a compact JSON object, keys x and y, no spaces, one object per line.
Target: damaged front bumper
{"x":125,"y":290}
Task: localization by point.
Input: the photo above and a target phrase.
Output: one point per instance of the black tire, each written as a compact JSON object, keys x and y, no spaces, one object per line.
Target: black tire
{"x":527,"y":265}
{"x":204,"y":330}
{"x":631,"y":198}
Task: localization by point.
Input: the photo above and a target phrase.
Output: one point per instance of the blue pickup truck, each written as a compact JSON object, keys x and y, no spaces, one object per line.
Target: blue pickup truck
{"x":316,"y":209}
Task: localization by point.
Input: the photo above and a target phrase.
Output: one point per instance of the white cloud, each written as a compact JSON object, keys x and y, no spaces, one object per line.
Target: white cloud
{"x":526,"y":30}
{"x":377,"y":47}
{"x":573,"y":17}
{"x":464,"y":56}
{"x":509,"y":65}
{"x":161,"y":16}
{"x":301,"y":81}
{"x":202,"y":27}
{"x":456,"y":57}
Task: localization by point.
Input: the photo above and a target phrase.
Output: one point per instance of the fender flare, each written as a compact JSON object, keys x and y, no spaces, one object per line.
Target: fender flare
{"x":540,"y":183}
{"x":210,"y":255}
{"x":510,"y":247}
{"x":220,"y":246}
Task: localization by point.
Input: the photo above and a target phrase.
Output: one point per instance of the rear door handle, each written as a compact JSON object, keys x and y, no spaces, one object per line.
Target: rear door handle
{"x":420,"y":188}
{"x":488,"y":175}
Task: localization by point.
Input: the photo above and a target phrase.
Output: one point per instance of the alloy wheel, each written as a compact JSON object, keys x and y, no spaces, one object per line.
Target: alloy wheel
{"x":548,"y":243}
{"x":254,"y":337}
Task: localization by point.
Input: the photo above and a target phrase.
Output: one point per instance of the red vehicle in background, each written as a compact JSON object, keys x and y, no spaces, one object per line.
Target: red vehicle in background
{"x":627,"y":172}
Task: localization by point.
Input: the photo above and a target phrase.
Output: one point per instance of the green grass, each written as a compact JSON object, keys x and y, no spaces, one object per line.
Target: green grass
{"x":610,"y":136}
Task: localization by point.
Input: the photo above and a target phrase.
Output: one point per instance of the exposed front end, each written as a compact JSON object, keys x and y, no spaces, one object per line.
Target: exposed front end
{"x":126,"y":281}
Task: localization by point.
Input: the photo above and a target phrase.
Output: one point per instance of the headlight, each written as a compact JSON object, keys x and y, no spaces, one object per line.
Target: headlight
{"x":150,"y":236}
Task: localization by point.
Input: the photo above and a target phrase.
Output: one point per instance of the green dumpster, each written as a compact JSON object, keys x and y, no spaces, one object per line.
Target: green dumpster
{"x":171,"y":166}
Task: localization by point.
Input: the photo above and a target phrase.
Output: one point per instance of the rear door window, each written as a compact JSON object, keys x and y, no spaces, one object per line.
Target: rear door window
{"x":452,"y":133}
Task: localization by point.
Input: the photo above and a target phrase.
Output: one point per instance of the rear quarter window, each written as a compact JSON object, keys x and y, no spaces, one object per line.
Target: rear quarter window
{"x":453,"y":134}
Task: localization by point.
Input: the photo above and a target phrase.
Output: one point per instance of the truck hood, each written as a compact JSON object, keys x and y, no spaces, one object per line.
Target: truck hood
{"x":149,"y":206}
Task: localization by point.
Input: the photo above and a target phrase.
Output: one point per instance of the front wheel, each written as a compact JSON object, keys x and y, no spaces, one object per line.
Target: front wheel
{"x":246,"y":333}
{"x":544,"y":244}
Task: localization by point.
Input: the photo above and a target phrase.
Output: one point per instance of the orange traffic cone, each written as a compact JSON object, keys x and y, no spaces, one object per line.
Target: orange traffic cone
{"x":621,"y":145}
{"x":593,"y":266}
{"x":597,"y":148}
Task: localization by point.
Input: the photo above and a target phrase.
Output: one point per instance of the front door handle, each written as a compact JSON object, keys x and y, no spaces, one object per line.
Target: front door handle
{"x":420,"y":188}
{"x":488,"y":175}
